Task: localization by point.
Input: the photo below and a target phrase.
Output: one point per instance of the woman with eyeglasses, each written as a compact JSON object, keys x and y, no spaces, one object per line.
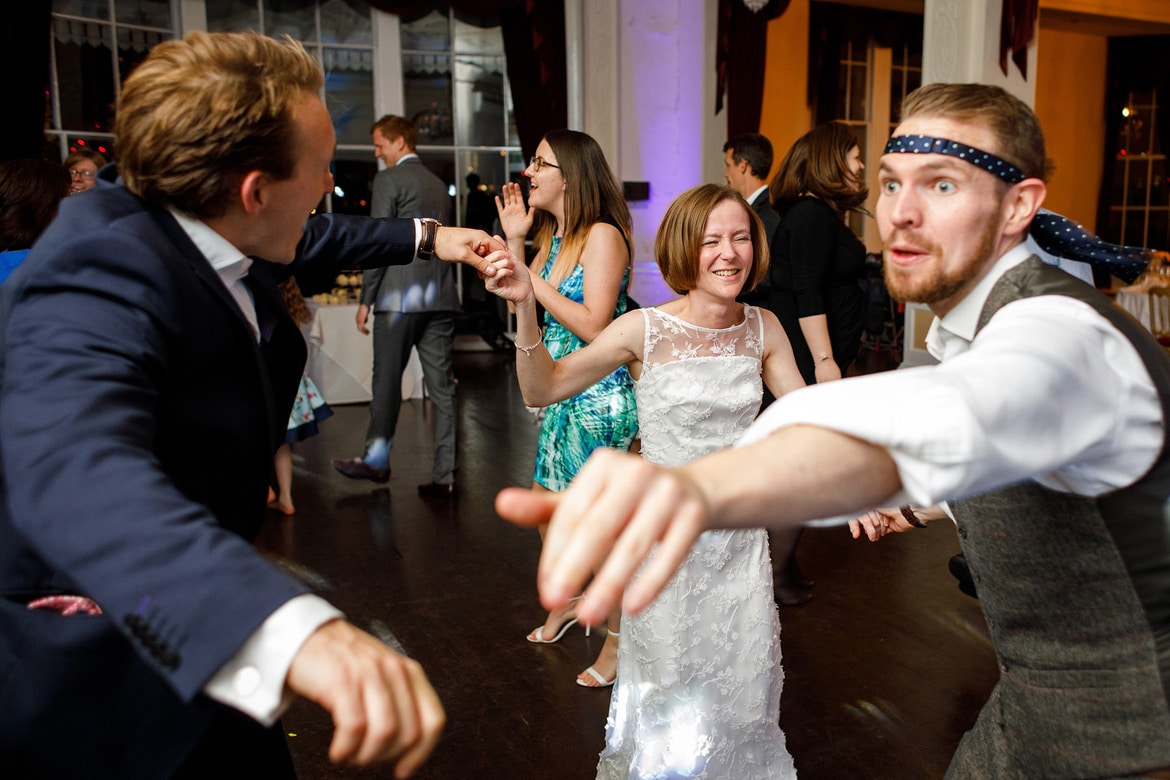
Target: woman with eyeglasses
{"x":580,"y":276}
{"x":83,"y":166}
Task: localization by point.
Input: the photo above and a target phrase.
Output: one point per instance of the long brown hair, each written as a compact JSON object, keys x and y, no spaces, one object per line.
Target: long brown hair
{"x":590,"y":193}
{"x":817,"y":164}
{"x":30,"y":191}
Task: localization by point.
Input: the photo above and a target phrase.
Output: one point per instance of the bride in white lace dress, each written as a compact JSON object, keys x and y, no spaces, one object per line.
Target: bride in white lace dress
{"x":699,"y":674}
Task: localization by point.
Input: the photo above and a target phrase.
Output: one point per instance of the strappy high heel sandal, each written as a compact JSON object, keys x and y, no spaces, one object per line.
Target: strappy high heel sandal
{"x":596,"y":675}
{"x":536,"y":635}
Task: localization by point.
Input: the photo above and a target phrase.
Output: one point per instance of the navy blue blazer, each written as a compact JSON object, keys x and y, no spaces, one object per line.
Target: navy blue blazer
{"x":138,"y":419}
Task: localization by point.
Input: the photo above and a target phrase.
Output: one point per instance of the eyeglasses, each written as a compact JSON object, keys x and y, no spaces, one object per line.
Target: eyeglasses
{"x":539,"y":162}
{"x":80,"y":174}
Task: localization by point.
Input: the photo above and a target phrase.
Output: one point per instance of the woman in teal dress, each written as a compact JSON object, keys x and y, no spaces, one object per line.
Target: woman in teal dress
{"x":581,"y":274}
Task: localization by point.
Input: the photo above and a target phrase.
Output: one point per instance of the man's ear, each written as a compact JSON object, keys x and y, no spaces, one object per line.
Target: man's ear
{"x":253,"y":192}
{"x":1024,"y":200}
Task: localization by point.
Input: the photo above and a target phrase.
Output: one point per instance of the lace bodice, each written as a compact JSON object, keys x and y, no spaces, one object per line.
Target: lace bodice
{"x":700,"y":388}
{"x":699,"y":675}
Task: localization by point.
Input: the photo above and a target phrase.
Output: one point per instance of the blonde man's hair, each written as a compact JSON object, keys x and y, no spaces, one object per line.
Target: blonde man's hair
{"x":391,"y":127}
{"x":200,"y":113}
{"x":680,"y":237}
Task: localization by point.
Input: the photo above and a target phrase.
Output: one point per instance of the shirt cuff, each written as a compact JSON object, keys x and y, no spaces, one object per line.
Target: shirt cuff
{"x":418,"y":231}
{"x":252,"y":681}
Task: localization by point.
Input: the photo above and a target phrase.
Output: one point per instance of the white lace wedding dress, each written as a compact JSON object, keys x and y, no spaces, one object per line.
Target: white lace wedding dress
{"x":699,"y":675}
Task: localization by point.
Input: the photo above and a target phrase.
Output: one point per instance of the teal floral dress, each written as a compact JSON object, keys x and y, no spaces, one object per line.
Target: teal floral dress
{"x":605,"y":415}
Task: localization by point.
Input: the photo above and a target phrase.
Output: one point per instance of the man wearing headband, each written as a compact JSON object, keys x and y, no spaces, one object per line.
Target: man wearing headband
{"x":1042,"y":427}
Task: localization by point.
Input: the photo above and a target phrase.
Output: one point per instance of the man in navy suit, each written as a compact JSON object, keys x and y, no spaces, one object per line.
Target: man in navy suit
{"x":148,"y":373}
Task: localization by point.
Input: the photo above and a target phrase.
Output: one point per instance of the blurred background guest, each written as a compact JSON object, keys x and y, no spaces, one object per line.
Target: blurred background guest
{"x":817,"y":267}
{"x":30,"y":191}
{"x":83,"y":166}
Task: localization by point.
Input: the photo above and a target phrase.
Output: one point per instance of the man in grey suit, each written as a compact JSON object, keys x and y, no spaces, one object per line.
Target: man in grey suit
{"x":413,"y":307}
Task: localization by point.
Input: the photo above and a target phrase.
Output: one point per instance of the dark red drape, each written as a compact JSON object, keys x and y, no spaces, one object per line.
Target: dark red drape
{"x":24,"y":61}
{"x":740,"y":60}
{"x":1017,"y":28}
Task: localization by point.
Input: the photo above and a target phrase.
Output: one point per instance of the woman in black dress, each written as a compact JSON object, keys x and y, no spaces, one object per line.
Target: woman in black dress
{"x":817,"y":267}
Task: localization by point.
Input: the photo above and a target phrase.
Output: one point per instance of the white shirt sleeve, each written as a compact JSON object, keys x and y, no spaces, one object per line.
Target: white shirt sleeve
{"x":252,"y":681}
{"x":1048,"y":390}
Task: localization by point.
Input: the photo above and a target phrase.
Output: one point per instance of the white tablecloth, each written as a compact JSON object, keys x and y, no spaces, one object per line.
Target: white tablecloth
{"x":1136,"y":303}
{"x":341,"y":360}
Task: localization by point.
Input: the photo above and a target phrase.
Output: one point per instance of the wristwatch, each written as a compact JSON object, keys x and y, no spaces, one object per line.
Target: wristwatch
{"x":430,"y":231}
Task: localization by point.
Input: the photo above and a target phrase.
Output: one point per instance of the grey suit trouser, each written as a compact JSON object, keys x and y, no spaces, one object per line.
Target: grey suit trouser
{"x":432,"y":334}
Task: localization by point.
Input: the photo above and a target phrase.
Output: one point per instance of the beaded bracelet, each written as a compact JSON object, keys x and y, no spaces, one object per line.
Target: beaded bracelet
{"x":528,"y":350}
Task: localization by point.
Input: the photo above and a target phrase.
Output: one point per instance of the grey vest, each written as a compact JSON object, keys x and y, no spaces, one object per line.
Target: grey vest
{"x":1076,"y":593}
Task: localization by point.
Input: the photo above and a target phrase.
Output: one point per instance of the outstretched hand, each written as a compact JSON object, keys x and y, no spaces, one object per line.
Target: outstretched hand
{"x":509,"y":278}
{"x":617,"y":510}
{"x":515,"y":220}
{"x":464,"y":245}
{"x":383,"y":706}
{"x":877,"y":523}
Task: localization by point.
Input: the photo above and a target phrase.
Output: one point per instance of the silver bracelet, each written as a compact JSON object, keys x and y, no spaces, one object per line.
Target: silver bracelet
{"x":528,"y":350}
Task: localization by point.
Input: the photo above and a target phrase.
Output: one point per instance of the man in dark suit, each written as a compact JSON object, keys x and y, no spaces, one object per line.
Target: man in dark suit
{"x":747,"y":159}
{"x":414,"y":308}
{"x":148,"y":373}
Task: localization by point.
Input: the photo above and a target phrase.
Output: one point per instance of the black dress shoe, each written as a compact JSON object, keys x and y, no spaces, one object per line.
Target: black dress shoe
{"x":357,"y":468}
{"x":443,"y":490}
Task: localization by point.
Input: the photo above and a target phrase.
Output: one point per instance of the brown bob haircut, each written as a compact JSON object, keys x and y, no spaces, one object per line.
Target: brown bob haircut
{"x":200,"y":113}
{"x":680,"y":237}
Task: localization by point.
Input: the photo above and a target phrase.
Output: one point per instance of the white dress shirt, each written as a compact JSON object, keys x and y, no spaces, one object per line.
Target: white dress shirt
{"x":252,"y":680}
{"x":1048,"y":391}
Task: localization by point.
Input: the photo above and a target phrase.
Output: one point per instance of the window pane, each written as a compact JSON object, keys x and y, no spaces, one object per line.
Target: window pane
{"x":149,"y":13}
{"x":470,"y":39}
{"x":353,"y":177}
{"x":484,"y":174}
{"x":346,"y":21}
{"x":1135,"y":132}
{"x":1135,"y":228}
{"x":479,"y":96}
{"x":1159,"y":186}
{"x":133,"y":46}
{"x":1159,"y":230}
{"x":94,"y":9}
{"x":85,"y":75}
{"x":430,"y":33}
{"x":232,"y":15}
{"x":426,"y":81}
{"x":291,"y":17}
{"x":1135,"y":194}
{"x":857,"y":92}
{"x":349,"y":93}
{"x":442,"y":164}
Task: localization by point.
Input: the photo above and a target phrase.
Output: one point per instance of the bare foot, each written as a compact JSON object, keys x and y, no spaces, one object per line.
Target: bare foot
{"x":605,"y":666}
{"x":286,"y":508}
{"x":555,"y":626}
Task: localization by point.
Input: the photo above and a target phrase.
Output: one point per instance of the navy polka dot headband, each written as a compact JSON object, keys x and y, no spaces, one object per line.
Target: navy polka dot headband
{"x":1056,"y":234}
{"x":925,"y":144}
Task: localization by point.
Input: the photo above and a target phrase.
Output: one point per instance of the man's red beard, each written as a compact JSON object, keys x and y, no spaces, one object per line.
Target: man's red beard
{"x":922,"y":285}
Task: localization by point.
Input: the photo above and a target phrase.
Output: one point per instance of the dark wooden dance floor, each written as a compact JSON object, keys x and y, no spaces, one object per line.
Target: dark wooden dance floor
{"x":885,"y":668}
